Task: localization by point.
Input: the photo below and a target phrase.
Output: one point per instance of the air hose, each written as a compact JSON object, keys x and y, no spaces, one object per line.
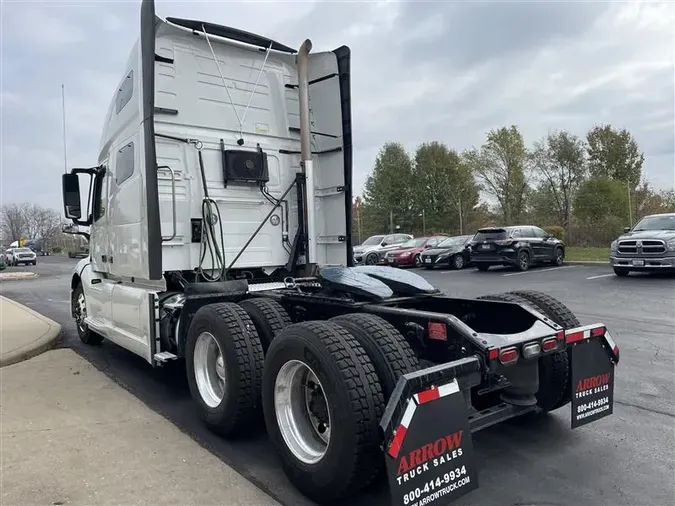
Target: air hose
{"x":210,"y":216}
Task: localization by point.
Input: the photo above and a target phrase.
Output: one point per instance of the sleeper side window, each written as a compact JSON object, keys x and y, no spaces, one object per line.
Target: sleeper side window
{"x":124,"y":166}
{"x":125,"y":92}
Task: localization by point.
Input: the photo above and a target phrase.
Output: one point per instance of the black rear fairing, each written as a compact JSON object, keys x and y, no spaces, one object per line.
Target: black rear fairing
{"x":343,"y":54}
{"x":149,"y":24}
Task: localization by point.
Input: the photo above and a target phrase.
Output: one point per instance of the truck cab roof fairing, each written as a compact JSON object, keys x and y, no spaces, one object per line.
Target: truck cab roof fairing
{"x":235,"y":34}
{"x":149,"y":24}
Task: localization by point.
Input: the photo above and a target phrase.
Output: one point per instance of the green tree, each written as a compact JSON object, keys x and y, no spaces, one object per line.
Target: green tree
{"x":600,"y":198}
{"x":444,"y":188}
{"x":389,"y":189}
{"x":614,"y":154}
{"x":500,"y":165}
{"x":559,"y":164}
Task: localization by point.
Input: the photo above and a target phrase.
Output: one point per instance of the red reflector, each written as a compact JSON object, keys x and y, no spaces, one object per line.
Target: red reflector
{"x":494,"y":354}
{"x":560,"y":335}
{"x":549,"y":344}
{"x":437,"y":331}
{"x":600,"y":331}
{"x":508,"y":355}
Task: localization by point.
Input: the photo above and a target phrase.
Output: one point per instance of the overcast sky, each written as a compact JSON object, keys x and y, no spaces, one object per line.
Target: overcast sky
{"x":421,"y":71}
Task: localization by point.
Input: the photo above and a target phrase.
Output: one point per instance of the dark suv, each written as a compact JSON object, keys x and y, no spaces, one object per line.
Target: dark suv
{"x":518,"y":246}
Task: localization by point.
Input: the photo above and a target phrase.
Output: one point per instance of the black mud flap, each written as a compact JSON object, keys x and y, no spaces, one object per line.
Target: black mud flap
{"x":592,"y":381}
{"x":428,"y":446}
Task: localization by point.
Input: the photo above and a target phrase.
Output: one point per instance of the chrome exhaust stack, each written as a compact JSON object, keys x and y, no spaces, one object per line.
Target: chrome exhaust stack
{"x":306,"y":148}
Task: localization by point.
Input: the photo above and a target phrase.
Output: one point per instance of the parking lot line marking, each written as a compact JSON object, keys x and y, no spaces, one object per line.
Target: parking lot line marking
{"x":541,"y":270}
{"x":601,"y":276}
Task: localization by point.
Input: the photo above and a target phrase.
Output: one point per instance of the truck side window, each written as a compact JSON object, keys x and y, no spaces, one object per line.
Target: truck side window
{"x":124,"y":166}
{"x":101,"y":196}
{"x":125,"y":92}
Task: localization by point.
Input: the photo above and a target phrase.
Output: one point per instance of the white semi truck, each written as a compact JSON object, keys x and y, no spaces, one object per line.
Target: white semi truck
{"x":219,"y":226}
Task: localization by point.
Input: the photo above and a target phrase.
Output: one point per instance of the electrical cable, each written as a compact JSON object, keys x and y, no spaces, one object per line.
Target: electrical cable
{"x":208,"y":242}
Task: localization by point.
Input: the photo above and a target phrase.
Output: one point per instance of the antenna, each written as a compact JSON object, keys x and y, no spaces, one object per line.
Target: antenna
{"x":63,"y":105}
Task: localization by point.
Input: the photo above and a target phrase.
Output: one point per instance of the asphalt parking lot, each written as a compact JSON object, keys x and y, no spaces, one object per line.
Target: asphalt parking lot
{"x":626,"y":458}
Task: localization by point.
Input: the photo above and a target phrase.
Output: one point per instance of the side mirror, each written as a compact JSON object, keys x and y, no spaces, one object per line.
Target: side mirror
{"x":71,"y":196}
{"x":626,"y":230}
{"x":384,"y":244}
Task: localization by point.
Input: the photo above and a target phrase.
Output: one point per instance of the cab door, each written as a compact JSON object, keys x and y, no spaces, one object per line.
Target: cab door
{"x":98,"y":290}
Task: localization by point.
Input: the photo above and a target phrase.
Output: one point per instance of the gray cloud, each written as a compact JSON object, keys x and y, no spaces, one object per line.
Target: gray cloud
{"x":446,"y":71}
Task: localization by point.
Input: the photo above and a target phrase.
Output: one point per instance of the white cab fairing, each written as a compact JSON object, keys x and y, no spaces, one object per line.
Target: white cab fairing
{"x":191,"y":102}
{"x":173,"y":103}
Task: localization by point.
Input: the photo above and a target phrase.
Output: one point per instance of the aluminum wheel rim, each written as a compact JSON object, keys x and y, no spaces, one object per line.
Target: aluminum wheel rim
{"x":459,"y":262}
{"x":81,"y":311}
{"x":523,"y":260}
{"x":371,"y":260}
{"x":558,"y":257}
{"x":299,"y":426}
{"x":209,"y":366}
{"x":418,"y":261}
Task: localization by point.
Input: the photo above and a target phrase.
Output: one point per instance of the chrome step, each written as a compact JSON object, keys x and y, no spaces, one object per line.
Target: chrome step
{"x":164,"y":356}
{"x":262,"y":287}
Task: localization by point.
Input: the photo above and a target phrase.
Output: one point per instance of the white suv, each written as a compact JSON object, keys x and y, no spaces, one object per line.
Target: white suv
{"x":16,"y":256}
{"x":373,"y":249}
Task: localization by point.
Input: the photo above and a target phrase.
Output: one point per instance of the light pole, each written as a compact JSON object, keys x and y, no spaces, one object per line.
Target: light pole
{"x":424,"y":222}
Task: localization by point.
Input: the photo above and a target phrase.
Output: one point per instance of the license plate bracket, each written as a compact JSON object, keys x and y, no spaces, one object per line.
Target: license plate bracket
{"x":638,"y":263}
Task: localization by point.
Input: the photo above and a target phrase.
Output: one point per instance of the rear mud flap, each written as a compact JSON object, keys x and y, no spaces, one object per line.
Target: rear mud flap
{"x":427,"y":440}
{"x":593,"y":363}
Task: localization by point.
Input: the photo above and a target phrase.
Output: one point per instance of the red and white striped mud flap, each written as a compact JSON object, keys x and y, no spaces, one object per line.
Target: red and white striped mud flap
{"x":430,"y":458}
{"x":594,"y":355}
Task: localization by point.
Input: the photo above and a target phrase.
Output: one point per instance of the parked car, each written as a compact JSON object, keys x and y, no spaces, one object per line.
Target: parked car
{"x":408,"y":253}
{"x":451,"y":252}
{"x":81,"y":252}
{"x":3,"y":263}
{"x":373,"y":249}
{"x":648,"y":246}
{"x":16,"y":256}
{"x":518,"y":246}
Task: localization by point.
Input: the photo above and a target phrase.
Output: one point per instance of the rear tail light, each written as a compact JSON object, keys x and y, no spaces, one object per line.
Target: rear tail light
{"x":531,"y":350}
{"x":549,"y":344}
{"x":508,"y":355}
{"x":437,"y":331}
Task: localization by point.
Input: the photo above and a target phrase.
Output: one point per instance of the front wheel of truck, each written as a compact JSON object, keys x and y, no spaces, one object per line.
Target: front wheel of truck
{"x":86,"y":335}
{"x":322,"y":403}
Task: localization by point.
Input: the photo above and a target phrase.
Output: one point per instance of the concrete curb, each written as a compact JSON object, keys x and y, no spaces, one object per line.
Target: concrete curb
{"x":43,"y":343}
{"x":14,"y":276}
{"x":586,"y":262}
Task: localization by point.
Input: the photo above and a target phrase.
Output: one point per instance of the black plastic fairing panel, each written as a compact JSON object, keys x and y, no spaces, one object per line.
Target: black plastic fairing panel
{"x":343,"y":54}
{"x":231,"y":33}
{"x":154,"y":244}
{"x":348,"y":280}
{"x":401,"y":282}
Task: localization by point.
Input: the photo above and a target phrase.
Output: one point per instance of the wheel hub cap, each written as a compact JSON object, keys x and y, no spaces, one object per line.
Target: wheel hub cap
{"x":302,"y":412}
{"x":209,"y":367}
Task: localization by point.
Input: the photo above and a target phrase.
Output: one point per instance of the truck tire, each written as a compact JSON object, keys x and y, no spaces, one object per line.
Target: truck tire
{"x":224,"y":362}
{"x":387,"y":349}
{"x":86,"y":335}
{"x":554,"y":370}
{"x":268,"y":316}
{"x":316,"y":373}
